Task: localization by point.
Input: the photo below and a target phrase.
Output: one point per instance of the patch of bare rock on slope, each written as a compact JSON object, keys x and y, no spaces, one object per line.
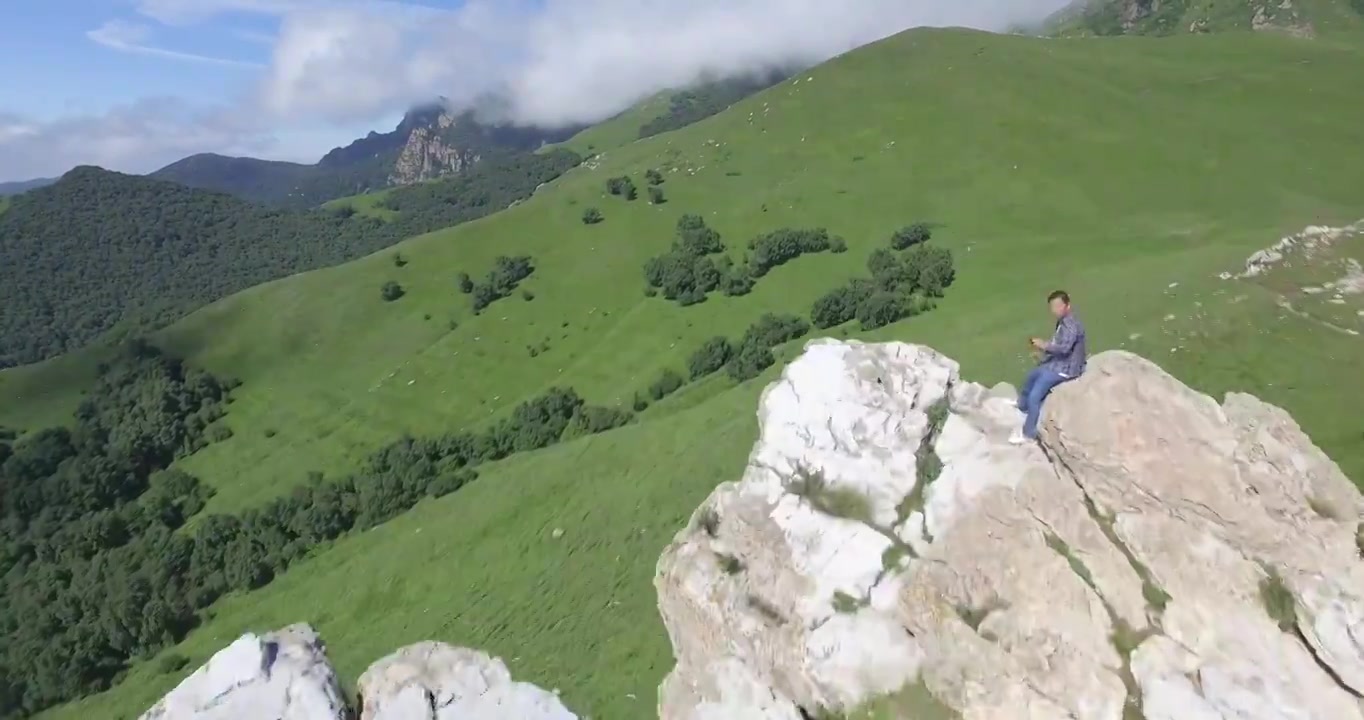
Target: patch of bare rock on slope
{"x":285,"y":675}
{"x":1157,"y":555}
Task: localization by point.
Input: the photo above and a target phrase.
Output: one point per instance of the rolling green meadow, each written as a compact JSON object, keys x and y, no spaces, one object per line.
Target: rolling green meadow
{"x":1129,"y":171}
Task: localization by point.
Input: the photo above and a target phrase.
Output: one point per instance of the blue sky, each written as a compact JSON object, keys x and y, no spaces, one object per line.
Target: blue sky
{"x":67,"y":72}
{"x":132,"y":85}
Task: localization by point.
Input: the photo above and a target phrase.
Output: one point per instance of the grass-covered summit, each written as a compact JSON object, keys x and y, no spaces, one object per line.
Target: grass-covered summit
{"x":1302,"y":18}
{"x":1130,"y":172}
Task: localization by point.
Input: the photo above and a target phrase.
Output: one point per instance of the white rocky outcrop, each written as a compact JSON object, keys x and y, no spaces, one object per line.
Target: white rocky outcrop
{"x":285,"y":675}
{"x":1307,"y":243}
{"x":282,"y":675}
{"x":435,"y":681}
{"x":1156,"y":553}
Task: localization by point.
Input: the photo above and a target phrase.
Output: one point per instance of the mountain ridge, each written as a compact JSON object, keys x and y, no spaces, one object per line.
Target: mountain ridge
{"x":429,"y":142}
{"x":21,"y":186}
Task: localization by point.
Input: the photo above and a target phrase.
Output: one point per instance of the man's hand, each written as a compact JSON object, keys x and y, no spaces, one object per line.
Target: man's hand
{"x":1039,"y":344}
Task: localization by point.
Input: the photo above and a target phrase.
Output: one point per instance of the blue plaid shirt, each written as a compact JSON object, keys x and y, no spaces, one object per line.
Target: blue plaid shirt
{"x":1065,"y":354}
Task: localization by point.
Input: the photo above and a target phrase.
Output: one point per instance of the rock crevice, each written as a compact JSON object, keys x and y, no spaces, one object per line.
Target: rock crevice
{"x":1112,"y":572}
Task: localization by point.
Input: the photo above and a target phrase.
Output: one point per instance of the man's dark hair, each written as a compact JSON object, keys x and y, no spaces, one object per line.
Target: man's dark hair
{"x":1065,"y":296}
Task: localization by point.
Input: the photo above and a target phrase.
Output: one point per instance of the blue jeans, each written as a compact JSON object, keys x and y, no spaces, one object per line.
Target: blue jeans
{"x":1039,"y":383}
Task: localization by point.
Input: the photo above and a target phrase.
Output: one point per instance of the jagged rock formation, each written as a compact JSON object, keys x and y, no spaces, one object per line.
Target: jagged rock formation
{"x":426,"y":155}
{"x":430,"y":142}
{"x":285,"y":675}
{"x":281,"y":675}
{"x":435,"y":681}
{"x":1157,"y":555}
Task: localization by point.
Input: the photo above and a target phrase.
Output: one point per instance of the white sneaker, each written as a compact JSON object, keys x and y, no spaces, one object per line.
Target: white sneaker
{"x":1017,"y":438}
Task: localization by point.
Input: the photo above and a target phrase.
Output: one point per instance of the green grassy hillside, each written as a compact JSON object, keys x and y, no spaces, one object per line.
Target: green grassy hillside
{"x":1171,"y":17}
{"x":1130,"y":172}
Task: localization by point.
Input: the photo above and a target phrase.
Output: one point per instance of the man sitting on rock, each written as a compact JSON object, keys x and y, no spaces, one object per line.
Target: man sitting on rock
{"x":1061,"y":359}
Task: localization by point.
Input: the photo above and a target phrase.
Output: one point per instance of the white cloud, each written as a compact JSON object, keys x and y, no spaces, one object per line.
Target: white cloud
{"x":139,"y":137}
{"x":132,"y":38}
{"x":564,"y":61}
{"x":548,"y":62}
{"x":184,"y":12}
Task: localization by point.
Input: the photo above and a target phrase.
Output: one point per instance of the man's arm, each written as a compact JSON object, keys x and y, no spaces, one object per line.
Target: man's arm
{"x":1063,"y":341}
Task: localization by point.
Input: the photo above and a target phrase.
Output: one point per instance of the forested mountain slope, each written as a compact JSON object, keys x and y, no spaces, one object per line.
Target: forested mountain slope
{"x":100,"y":250}
{"x":14,"y":188}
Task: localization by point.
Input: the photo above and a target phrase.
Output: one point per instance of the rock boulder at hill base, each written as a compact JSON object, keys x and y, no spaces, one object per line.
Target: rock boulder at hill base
{"x":1156,"y":555}
{"x":285,"y":675}
{"x":435,"y":681}
{"x":281,"y":675}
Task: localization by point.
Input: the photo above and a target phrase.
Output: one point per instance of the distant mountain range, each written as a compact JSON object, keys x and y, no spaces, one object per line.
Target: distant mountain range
{"x":430,"y":142}
{"x":14,"y":188}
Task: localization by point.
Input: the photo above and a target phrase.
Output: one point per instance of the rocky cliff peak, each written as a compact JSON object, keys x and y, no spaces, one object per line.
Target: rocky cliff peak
{"x":1158,"y":554}
{"x":438,"y":140}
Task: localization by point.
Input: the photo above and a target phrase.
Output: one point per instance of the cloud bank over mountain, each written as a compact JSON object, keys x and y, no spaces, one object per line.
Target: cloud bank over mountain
{"x":332,"y":63}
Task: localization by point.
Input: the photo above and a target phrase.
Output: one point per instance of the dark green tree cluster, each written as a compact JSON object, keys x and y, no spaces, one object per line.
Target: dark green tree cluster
{"x":700,"y":102}
{"x":755,"y":349}
{"x":653,"y":177}
{"x":92,"y":572}
{"x":753,"y":354}
{"x":742,"y":362}
{"x":901,"y":285}
{"x":686,"y":273}
{"x":656,"y":196}
{"x":592,"y":216}
{"x":713,"y":354}
{"x":95,"y":574}
{"x":100,"y":249}
{"x":507,"y":272}
{"x":668,"y":382}
{"x":772,"y":330}
{"x":622,"y":186}
{"x":911,"y":235}
{"x":782,"y":246}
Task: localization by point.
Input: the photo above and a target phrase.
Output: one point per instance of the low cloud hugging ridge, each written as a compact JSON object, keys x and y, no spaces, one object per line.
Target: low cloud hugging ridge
{"x":559,"y":62}
{"x":337,"y":65}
